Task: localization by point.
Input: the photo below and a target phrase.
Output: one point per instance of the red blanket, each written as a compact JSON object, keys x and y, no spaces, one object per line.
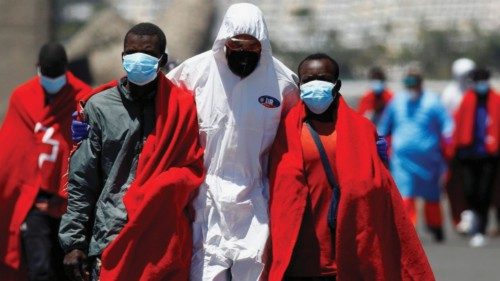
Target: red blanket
{"x":156,"y":242}
{"x":81,"y":104}
{"x":374,"y":238}
{"x":465,"y":119}
{"x":35,"y":140}
{"x":369,"y":102}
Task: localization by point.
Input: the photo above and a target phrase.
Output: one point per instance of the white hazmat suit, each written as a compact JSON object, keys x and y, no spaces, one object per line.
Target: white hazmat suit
{"x":238,"y":122}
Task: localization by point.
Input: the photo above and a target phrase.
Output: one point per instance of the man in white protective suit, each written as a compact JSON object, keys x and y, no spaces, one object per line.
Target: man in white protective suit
{"x":241,"y":93}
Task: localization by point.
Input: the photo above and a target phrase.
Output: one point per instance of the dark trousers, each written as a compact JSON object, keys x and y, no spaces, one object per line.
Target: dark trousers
{"x":42,"y":253}
{"x":478,"y":179}
{"x":455,"y":191}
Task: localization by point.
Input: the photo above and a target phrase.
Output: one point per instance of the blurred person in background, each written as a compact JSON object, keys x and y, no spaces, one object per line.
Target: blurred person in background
{"x":375,"y":100}
{"x":418,"y":124}
{"x":476,"y":143}
{"x":35,"y":141}
{"x":335,"y":210}
{"x":451,"y":98}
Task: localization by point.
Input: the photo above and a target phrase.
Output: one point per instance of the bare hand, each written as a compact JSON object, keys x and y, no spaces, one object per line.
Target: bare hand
{"x":74,"y":265}
{"x":54,"y":207}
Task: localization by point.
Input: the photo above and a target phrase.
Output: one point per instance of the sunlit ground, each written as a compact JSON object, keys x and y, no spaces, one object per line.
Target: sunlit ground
{"x":454,"y":260}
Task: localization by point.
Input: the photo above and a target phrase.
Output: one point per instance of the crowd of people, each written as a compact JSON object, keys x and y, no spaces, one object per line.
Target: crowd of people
{"x":442,"y":142}
{"x":233,"y":167}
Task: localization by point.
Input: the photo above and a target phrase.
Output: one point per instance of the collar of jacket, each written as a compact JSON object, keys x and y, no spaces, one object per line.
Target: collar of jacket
{"x":129,"y":96}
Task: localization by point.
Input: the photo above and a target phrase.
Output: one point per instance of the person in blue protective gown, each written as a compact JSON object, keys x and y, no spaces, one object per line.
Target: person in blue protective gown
{"x":418,"y":125}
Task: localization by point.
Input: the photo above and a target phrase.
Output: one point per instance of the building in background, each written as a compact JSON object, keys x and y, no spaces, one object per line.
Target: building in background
{"x":300,"y":24}
{"x":94,"y":47}
{"x":390,"y":33}
{"x":140,"y":11}
{"x":24,"y":28}
{"x":357,"y":32}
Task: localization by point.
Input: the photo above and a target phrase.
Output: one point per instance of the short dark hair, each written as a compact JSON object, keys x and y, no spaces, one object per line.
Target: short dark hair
{"x":376,"y":73}
{"x":52,"y":55}
{"x":147,"y":28}
{"x":480,"y":74}
{"x":321,"y":56}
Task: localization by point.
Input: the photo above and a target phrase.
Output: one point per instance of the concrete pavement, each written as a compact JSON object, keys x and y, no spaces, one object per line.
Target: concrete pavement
{"x":454,"y":260}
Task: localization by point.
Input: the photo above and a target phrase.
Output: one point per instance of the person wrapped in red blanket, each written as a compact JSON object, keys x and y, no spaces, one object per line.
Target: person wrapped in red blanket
{"x":374,"y":101}
{"x":35,"y":141}
{"x":476,"y":144}
{"x":132,"y":180}
{"x":320,"y":230}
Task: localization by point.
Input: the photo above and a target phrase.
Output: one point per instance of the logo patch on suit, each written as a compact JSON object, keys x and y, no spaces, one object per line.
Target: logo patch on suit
{"x":269,"y":101}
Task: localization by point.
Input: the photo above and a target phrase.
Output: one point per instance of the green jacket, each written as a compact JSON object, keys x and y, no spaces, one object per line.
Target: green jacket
{"x":103,"y":167}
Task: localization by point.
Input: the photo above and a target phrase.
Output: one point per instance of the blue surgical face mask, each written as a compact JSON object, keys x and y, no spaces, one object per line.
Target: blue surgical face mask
{"x":410,"y":81}
{"x":378,"y":86}
{"x":482,"y":87}
{"x":52,"y":85}
{"x":317,"y":95}
{"x":141,"y":68}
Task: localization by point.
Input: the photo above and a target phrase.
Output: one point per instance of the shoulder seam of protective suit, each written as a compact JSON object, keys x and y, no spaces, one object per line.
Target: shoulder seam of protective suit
{"x":194,"y":64}
{"x":281,"y":66}
{"x":197,"y":57}
{"x":285,"y":77}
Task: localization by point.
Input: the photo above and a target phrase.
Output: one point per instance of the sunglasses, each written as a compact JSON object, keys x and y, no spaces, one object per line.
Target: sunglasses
{"x":244,"y":42}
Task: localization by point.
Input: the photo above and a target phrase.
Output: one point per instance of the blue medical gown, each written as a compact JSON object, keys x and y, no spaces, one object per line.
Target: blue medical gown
{"x":417,"y":127}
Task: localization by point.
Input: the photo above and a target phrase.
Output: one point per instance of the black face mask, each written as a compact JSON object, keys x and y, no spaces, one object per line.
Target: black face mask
{"x":242,"y":63}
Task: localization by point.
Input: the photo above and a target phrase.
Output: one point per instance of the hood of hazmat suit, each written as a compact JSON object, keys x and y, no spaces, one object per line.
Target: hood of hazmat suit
{"x":238,"y":120}
{"x":462,"y":67}
{"x":454,"y":91}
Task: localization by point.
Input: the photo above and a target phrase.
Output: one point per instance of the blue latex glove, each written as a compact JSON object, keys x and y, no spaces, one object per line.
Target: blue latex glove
{"x":79,"y":129}
{"x":382,"y":149}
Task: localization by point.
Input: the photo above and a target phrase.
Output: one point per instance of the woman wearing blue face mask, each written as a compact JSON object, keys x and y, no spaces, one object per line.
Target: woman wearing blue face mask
{"x":476,"y":149}
{"x":331,"y":195}
{"x":374,"y":101}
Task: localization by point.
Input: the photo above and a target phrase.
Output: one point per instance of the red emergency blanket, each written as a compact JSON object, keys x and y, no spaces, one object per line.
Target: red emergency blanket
{"x":465,"y":119}
{"x":369,"y":101}
{"x":374,"y":238}
{"x":35,"y":141}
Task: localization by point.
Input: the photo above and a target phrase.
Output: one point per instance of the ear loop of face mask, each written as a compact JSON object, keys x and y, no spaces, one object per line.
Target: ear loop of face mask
{"x":160,"y":66}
